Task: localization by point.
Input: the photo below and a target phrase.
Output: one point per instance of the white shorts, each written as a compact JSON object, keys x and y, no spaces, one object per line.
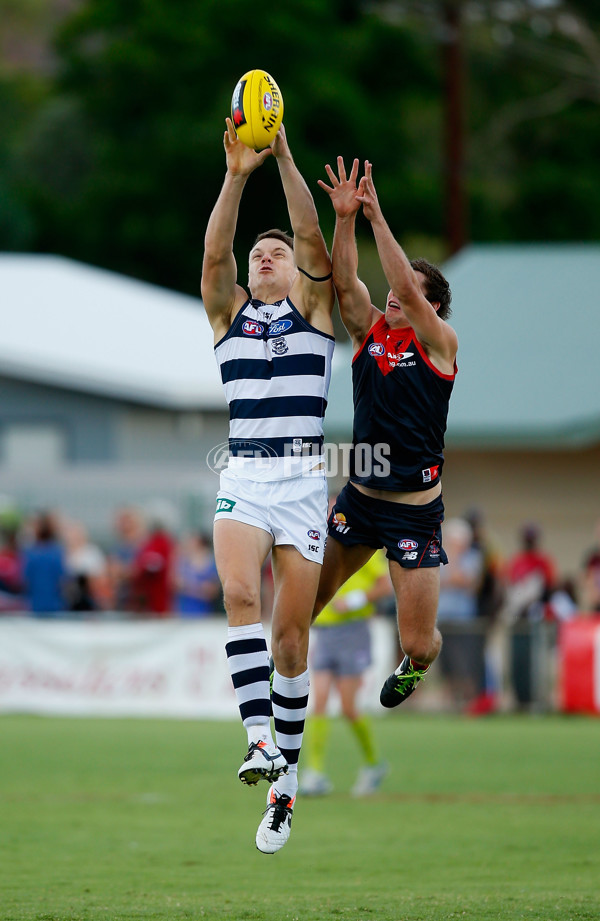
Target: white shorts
{"x":293,"y":511}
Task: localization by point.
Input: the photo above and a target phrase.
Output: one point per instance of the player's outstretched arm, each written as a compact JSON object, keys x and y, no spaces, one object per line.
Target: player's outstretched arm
{"x":421,"y":314}
{"x":357,"y":312}
{"x":309,"y":246}
{"x":220,"y":293}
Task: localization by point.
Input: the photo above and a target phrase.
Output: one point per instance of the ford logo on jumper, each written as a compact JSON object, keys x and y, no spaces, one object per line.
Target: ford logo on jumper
{"x":279,"y":326}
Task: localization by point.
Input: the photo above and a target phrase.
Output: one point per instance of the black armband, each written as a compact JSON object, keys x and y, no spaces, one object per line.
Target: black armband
{"x":312,"y":277}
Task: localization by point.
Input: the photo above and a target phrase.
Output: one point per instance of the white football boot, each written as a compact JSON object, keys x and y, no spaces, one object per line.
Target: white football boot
{"x":369,"y":779}
{"x":274,"y":830}
{"x":263,"y":761}
{"x":314,"y":783}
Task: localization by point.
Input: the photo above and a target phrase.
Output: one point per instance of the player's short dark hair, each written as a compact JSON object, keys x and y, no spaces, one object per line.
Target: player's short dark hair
{"x":438,"y":288}
{"x":275,"y":234}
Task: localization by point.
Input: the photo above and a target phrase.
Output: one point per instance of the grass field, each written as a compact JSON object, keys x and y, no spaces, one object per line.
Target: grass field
{"x":113,"y":820}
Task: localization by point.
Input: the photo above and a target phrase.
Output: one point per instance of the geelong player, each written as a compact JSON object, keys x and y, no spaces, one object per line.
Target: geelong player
{"x":403,"y":372}
{"x":274,"y":351}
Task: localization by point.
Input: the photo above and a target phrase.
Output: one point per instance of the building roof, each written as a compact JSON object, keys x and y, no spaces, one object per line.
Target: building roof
{"x":528,"y":324}
{"x":526,"y":315}
{"x":71,"y":325}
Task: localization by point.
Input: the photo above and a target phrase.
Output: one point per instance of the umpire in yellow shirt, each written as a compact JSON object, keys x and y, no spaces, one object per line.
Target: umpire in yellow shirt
{"x":340,"y":655}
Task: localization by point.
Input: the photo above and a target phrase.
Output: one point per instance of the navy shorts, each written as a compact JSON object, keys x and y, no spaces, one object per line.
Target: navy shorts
{"x":411,"y":534}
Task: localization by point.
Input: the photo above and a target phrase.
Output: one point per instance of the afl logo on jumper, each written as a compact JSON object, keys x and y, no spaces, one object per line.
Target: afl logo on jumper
{"x":250,"y":328}
{"x":376,"y":349}
{"x":279,"y":326}
{"x":407,"y":544}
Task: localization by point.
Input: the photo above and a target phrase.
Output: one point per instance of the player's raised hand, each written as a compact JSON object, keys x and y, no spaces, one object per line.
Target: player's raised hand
{"x":367,"y":195}
{"x":342,"y":190}
{"x":241,"y":160}
{"x":280,"y":146}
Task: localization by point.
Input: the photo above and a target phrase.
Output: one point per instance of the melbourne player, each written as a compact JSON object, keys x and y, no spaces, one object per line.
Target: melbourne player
{"x":403,"y":372}
{"x":274,"y":351}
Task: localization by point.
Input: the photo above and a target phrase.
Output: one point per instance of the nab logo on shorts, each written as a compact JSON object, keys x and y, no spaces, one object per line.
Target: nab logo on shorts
{"x":376,"y":349}
{"x":407,"y":544}
{"x":250,"y":328}
{"x":314,"y":535}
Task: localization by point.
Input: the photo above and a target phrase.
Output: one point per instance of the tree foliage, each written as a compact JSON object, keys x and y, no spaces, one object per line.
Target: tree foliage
{"x":116,"y":157}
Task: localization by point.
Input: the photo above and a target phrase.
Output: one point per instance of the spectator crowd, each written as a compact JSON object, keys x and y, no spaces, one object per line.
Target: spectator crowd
{"x":50,"y":566}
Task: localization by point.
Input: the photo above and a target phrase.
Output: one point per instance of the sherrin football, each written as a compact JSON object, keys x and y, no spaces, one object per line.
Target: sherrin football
{"x":256,"y":109}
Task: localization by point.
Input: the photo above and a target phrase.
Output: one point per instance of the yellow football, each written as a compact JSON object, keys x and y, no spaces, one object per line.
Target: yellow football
{"x":256,"y":109}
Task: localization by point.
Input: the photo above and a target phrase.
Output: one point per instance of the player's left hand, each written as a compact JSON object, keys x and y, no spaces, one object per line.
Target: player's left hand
{"x":367,"y":195}
{"x":280,"y":146}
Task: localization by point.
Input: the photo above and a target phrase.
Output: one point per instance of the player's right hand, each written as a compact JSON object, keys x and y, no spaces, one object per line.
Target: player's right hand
{"x":342,"y":190}
{"x":241,"y":160}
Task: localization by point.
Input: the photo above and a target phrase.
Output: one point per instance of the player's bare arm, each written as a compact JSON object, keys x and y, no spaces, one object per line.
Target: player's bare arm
{"x":357,"y":312}
{"x":221,"y":294}
{"x":313,"y":295}
{"x":435,"y":334}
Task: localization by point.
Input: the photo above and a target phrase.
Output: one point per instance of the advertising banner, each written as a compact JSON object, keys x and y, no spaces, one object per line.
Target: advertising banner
{"x":166,"y":668}
{"x":579,"y":665}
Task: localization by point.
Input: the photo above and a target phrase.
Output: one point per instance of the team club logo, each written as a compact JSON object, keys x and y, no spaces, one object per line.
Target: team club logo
{"x":280,"y":346}
{"x":407,"y":544}
{"x":251,"y":328}
{"x":434,"y":547}
{"x":279,"y":326}
{"x":376,"y":349}
{"x":314,"y":534}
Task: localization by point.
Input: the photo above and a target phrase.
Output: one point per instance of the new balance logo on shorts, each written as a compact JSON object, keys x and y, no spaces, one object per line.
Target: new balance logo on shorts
{"x":225,"y":505}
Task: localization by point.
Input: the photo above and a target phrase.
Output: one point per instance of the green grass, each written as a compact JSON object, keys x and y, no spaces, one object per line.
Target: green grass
{"x":115,"y":820}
